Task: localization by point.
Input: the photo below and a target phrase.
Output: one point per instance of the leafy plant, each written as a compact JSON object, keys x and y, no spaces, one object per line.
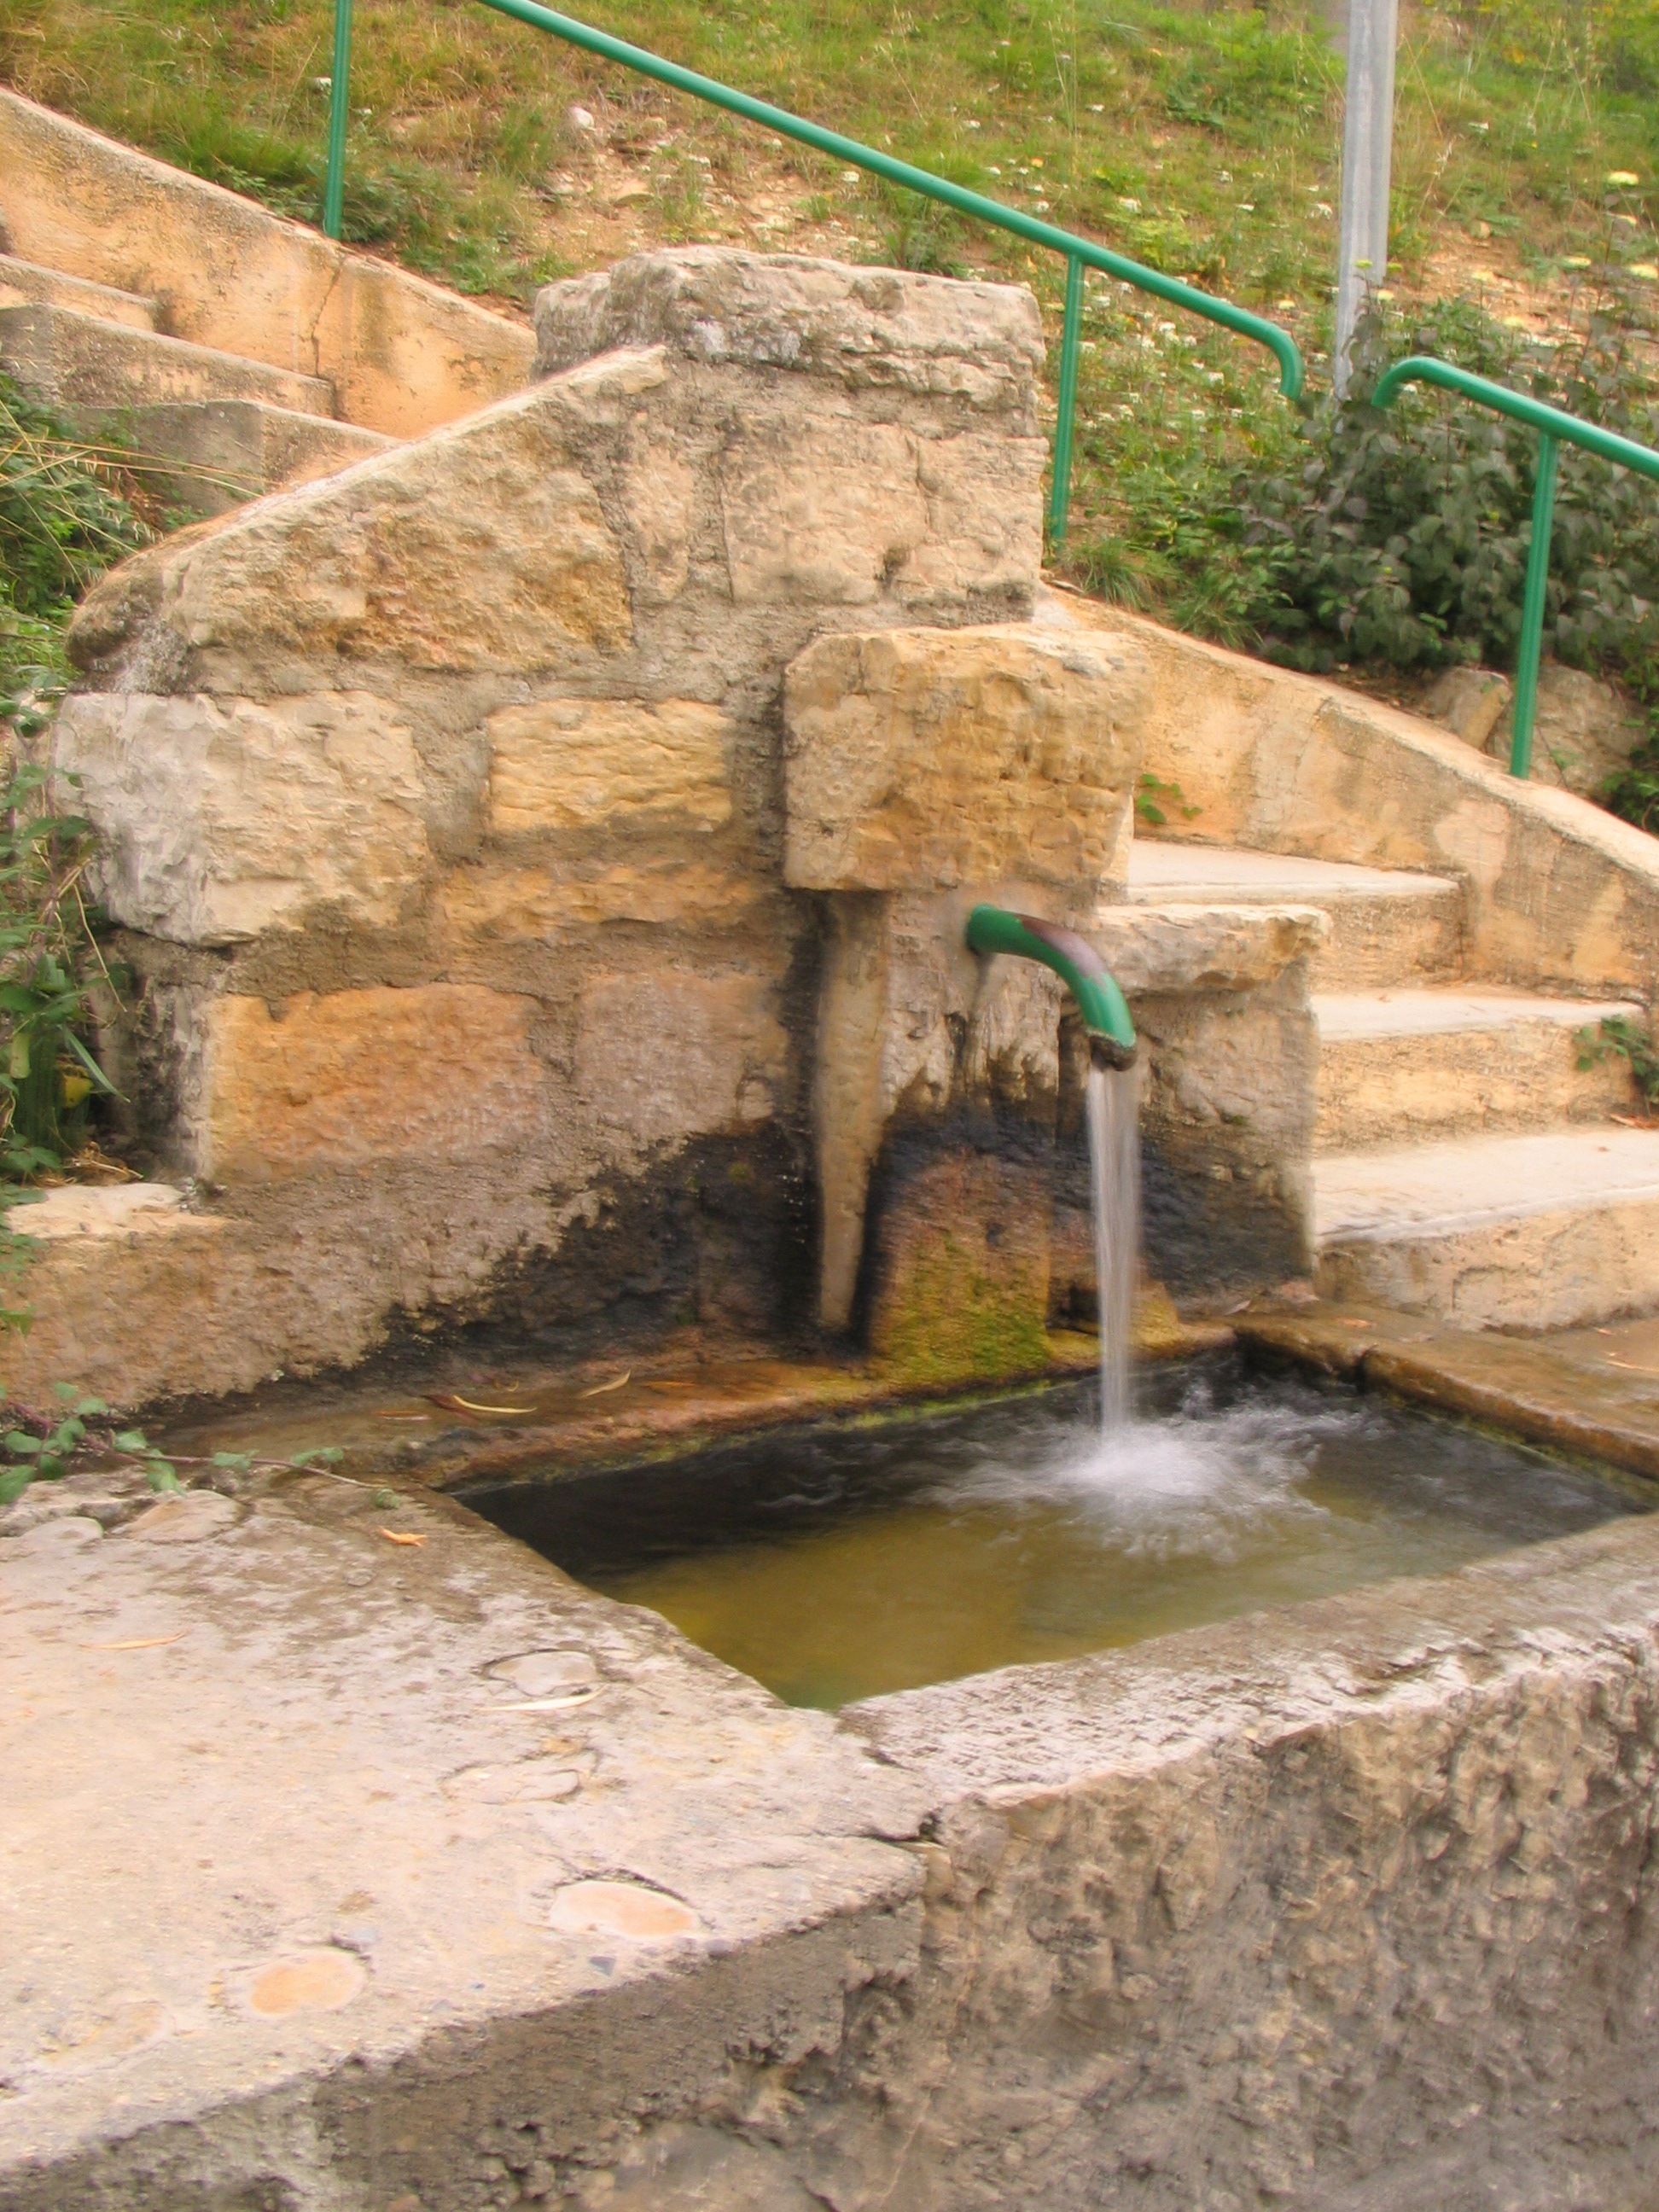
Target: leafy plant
{"x":1619,"y":1038}
{"x":50,"y":966}
{"x":83,"y":1428}
{"x":1402,"y":539}
{"x":1154,"y":794}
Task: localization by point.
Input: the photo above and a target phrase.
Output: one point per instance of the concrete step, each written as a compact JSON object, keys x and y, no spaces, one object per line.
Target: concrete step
{"x":1388,"y":927}
{"x":1549,"y":1231}
{"x":230,"y":450}
{"x":26,"y":284}
{"x":1398,"y":1067}
{"x":95,"y":370}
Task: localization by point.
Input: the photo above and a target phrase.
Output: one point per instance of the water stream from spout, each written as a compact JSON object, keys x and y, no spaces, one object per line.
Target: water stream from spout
{"x":1114,"y":1101}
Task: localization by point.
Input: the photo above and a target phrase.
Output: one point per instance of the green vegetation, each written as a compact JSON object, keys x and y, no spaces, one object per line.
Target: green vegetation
{"x":67,"y":511}
{"x":1620,"y":1038}
{"x":82,"y":1430}
{"x":1203,"y":141}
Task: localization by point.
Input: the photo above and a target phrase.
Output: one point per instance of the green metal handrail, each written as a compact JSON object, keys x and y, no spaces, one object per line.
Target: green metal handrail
{"x":1553,"y":424}
{"x":1079,"y":253}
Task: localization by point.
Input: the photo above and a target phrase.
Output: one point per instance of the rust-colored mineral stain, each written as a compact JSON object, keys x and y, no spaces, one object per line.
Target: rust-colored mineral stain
{"x":625,"y":1909}
{"x":315,"y":1981}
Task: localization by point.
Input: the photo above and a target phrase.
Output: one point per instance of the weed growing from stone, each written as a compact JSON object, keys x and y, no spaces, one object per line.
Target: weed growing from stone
{"x":1619,"y":1038}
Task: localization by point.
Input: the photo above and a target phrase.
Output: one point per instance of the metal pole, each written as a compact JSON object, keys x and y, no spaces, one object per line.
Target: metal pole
{"x":339,"y":99}
{"x":1060,"y":491}
{"x":1532,"y":607}
{"x":1362,"y":253}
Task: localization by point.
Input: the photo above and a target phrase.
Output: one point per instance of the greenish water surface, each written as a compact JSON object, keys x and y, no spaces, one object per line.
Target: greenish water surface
{"x":841,"y":1561}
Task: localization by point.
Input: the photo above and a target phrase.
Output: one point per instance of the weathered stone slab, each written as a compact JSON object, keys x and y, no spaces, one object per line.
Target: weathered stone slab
{"x":444,"y":1070}
{"x":587,"y":764}
{"x":529,"y":905}
{"x":668,"y":1056}
{"x":917,"y":759}
{"x":479,"y":547}
{"x":224,"y":818}
{"x":928,"y":336}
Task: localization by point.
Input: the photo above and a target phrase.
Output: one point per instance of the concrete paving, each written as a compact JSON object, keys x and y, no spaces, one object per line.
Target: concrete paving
{"x":303,"y":1785}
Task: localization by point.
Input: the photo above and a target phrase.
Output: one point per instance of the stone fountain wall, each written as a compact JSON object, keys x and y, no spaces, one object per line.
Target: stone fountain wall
{"x":542,"y":852}
{"x":443,"y":802}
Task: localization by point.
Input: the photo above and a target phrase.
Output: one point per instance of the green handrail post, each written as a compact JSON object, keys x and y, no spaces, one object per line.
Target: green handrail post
{"x":1531,"y":606}
{"x":1060,"y":492}
{"x":1554,"y":425}
{"x":339,"y":109}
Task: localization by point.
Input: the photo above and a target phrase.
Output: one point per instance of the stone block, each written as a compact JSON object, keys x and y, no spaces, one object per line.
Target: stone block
{"x":480,"y":547}
{"x":402,"y":354}
{"x":223,"y":818}
{"x":960,"y":1265}
{"x":481,"y":905}
{"x":563,"y":764}
{"x":664,"y":1056}
{"x":840,"y":512}
{"x":883,"y":328}
{"x":354,"y":1078}
{"x":919,"y":760}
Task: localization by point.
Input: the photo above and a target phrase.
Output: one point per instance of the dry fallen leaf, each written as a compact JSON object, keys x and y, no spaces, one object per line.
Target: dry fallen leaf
{"x":393,"y":1536}
{"x":600,"y":1388}
{"x":138,"y":1643}
{"x":448,"y":1400}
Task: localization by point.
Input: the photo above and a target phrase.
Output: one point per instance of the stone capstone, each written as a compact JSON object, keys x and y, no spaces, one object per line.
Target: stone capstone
{"x":480,"y":547}
{"x":928,"y":336}
{"x":919,"y":760}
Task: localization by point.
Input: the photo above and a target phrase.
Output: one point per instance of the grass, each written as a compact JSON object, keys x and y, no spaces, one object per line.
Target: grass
{"x":1202,"y":140}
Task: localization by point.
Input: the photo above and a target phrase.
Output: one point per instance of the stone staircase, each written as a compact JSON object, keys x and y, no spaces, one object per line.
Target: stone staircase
{"x":218,"y":428}
{"x":1463,"y":1163}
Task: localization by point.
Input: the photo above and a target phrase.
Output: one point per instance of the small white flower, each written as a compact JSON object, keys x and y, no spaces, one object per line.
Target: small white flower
{"x":994,"y":170}
{"x":1214,"y":376}
{"x":1041,"y":206}
{"x":1246,"y":207}
{"x":1130,"y":207}
{"x":1323,"y":207}
{"x":1097,"y":107}
{"x":849,"y":176}
{"x":972,"y":125}
{"x":1623,"y":177}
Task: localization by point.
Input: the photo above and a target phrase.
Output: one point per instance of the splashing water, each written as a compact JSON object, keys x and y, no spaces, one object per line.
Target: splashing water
{"x":1113,"y":1113}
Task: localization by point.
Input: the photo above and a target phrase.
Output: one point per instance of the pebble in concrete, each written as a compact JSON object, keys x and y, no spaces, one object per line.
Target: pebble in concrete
{"x":128,"y":2028}
{"x":314,"y":1981}
{"x":66,"y":1534}
{"x":531,"y":1782}
{"x":187,"y":1520}
{"x":626,"y":1909}
{"x":546,"y":1674}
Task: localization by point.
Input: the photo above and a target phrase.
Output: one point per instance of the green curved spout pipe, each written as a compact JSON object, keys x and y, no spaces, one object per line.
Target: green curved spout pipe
{"x":1112,"y":1041}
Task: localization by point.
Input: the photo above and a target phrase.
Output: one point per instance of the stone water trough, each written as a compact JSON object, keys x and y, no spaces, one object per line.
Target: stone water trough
{"x":544,"y":851}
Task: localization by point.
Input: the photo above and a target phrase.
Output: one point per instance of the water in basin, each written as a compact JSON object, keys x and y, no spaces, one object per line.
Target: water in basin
{"x":841,"y":1560}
